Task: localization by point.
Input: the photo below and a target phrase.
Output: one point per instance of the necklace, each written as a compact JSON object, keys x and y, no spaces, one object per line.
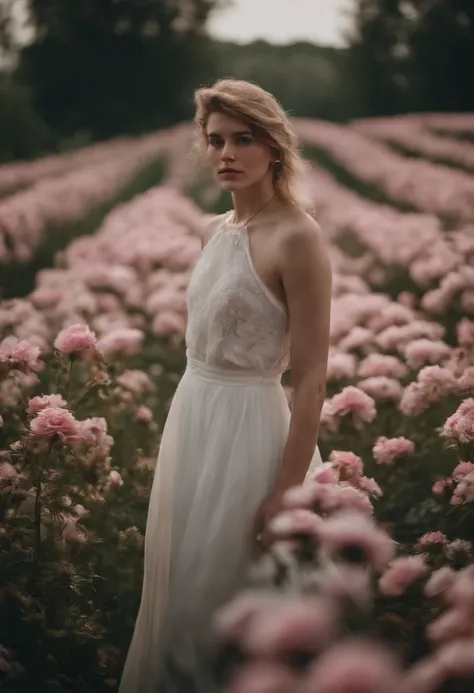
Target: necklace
{"x":254,"y":215}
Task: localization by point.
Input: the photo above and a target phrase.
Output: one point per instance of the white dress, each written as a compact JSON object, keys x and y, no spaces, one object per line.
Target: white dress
{"x":220,"y":451}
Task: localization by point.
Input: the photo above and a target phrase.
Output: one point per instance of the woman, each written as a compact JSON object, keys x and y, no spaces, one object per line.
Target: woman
{"x":258,"y":297}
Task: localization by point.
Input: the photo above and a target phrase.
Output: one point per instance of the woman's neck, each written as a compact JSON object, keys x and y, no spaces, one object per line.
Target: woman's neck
{"x":248,"y":202}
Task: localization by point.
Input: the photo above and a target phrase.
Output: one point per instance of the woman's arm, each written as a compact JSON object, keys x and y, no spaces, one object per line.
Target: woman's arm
{"x":307,"y":280}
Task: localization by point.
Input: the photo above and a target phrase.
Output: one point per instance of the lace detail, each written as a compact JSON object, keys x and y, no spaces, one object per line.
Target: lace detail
{"x":234,"y":320}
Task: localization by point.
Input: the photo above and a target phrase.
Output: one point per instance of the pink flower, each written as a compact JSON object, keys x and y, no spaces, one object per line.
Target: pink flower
{"x":451,"y":625}
{"x":135,"y":380}
{"x":381,"y":388}
{"x":344,"y":582}
{"x":437,"y":382}
{"x":461,"y":592}
{"x":310,"y":494}
{"x":39,"y":403}
{"x":77,"y":537}
{"x":440,"y":485}
{"x":354,"y":403}
{"x":348,"y":530}
{"x":465,"y":332}
{"x":115,"y":479}
{"x":431,"y":539}
{"x":293,"y":523}
{"x":54,"y":421}
{"x":325,"y":474}
{"x":456,"y":659}
{"x":355,"y":666}
{"x":400,"y":574}
{"x":387,"y":450}
{"x":122,"y":341}
{"x":144,"y":414}
{"x":370,"y":486}
{"x":8,"y":471}
{"x":168,"y":322}
{"x":432,"y":385}
{"x":21,"y":355}
{"x":263,"y":677}
{"x":348,"y":464}
{"x":346,"y":497}
{"x":466,"y":379}
{"x":462,"y":469}
{"x":460,"y":425}
{"x":376,"y":365}
{"x":439,"y":581}
{"x":341,"y":366}
{"x":75,"y":339}
{"x":93,"y":430}
{"x":456,"y":547}
{"x":299,"y":624}
{"x":425,"y":351}
{"x":232,"y":621}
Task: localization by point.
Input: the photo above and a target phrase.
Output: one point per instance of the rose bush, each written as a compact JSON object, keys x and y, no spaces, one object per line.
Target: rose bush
{"x":368,"y":584}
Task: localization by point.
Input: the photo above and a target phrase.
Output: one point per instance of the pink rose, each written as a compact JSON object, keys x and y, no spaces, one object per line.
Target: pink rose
{"x":115,"y":479}
{"x":122,"y":341}
{"x":8,"y":471}
{"x":347,"y":463}
{"x":387,"y":450}
{"x":381,"y":388}
{"x":54,"y":421}
{"x":349,"y":530}
{"x":144,"y":414}
{"x":39,"y":403}
{"x":400,"y":574}
{"x":354,"y":403}
{"x":357,"y":666}
{"x":75,"y":339}
{"x":291,"y":523}
{"x":460,"y":425}
{"x":465,"y":332}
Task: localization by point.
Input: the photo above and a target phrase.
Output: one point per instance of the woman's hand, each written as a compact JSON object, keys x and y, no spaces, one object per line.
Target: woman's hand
{"x":270,"y":507}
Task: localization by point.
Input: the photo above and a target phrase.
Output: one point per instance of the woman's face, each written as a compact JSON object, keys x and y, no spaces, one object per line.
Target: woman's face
{"x":237,"y":158}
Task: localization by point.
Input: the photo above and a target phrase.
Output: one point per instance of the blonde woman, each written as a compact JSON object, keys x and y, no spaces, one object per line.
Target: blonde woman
{"x":258,"y":300}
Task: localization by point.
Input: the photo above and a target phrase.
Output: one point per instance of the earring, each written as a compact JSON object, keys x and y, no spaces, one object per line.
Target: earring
{"x":277,"y":169}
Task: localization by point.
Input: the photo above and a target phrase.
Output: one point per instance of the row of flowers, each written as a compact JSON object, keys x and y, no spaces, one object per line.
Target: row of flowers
{"x":407,"y":254}
{"x":71,"y":194}
{"x":424,"y":186}
{"x":88,"y":364}
{"x":411,"y":133}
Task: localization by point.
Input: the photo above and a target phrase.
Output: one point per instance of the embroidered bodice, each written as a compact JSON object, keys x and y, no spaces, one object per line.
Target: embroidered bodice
{"x":234,"y":320}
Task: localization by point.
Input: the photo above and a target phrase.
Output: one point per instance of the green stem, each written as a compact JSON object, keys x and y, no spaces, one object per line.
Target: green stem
{"x":37,"y":534}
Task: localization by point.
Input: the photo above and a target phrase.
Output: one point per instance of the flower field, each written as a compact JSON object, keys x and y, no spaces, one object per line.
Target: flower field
{"x":369,"y":585}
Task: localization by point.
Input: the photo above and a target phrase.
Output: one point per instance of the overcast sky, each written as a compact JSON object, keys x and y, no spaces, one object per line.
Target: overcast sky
{"x":281,"y":21}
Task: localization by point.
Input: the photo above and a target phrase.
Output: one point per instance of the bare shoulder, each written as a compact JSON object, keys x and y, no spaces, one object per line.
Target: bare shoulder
{"x":211,"y":224}
{"x":303,"y":244}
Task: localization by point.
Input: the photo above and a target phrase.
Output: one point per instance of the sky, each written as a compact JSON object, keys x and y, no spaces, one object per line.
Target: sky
{"x":281,"y":21}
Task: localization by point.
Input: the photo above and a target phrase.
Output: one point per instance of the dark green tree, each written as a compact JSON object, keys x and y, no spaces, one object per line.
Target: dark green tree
{"x":414,"y":55}
{"x":440,"y":38}
{"x":115,"y":66}
{"x":378,"y":54}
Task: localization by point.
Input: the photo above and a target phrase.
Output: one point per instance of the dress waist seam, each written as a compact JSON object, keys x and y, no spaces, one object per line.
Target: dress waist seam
{"x":230,"y":376}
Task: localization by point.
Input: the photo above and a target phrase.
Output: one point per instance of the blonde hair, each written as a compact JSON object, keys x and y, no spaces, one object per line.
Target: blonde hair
{"x":266,"y":118}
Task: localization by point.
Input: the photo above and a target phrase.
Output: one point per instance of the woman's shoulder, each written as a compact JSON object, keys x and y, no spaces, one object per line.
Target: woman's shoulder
{"x":298,"y":227}
{"x":302,"y":241}
{"x":210,"y":225}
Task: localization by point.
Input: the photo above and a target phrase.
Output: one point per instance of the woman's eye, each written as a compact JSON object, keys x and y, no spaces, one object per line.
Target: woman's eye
{"x":215,"y":142}
{"x":245,"y":140}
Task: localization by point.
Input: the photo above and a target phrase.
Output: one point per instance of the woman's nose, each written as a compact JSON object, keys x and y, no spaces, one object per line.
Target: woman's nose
{"x":228,"y":151}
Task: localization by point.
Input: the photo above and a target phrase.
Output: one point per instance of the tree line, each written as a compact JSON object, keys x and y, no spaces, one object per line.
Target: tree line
{"x":97,"y":70}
